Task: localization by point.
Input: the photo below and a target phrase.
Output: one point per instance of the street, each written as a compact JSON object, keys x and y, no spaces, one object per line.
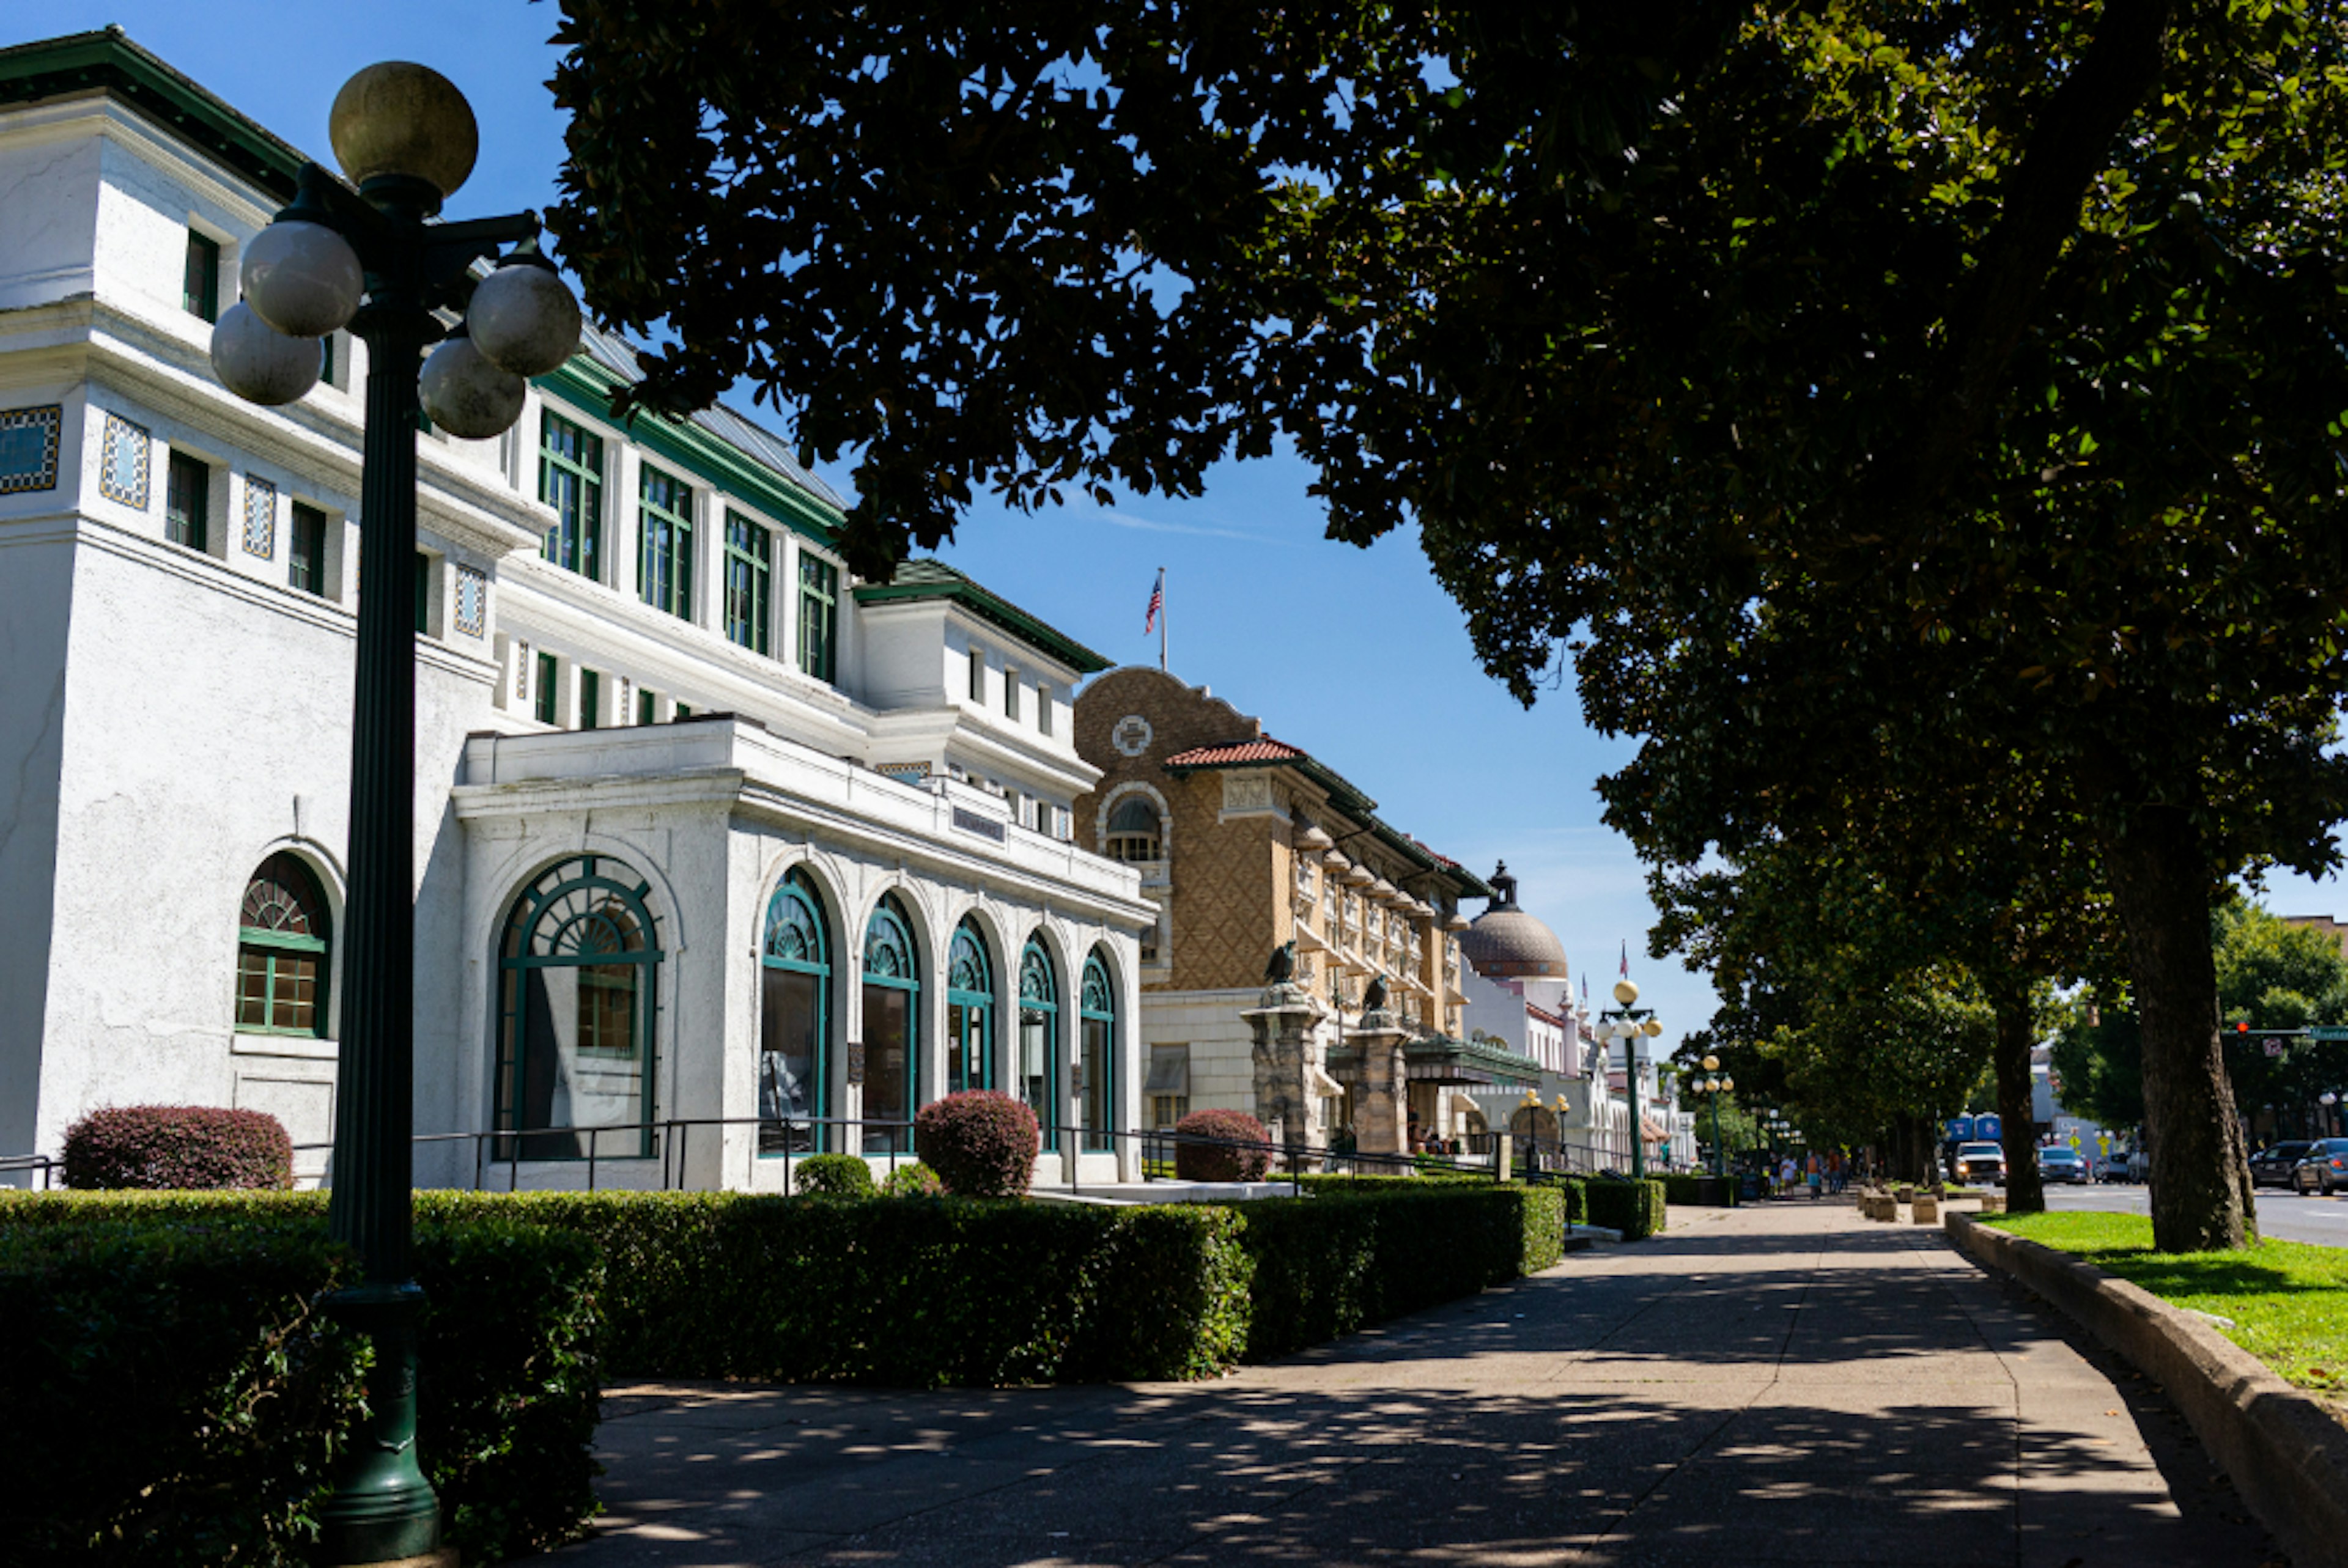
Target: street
{"x":2282,"y":1216}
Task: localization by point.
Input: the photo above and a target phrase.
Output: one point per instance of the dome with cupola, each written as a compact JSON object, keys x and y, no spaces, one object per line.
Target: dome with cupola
{"x":1506,"y":943}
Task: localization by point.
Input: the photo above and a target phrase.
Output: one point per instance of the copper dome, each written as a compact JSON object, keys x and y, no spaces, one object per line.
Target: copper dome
{"x":1504,"y":942}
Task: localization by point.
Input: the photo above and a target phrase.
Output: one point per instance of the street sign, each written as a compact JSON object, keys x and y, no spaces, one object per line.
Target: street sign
{"x":2274,"y":1046}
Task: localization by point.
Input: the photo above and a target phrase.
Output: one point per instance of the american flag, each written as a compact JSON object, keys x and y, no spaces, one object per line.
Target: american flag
{"x":1157,"y":603}
{"x":1626,"y":957}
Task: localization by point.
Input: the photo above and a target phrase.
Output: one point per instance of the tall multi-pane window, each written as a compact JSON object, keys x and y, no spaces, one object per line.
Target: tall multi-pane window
{"x":818,"y":617}
{"x":978,"y":675}
{"x":201,"y":290}
{"x":187,"y":501}
{"x":550,"y":696}
{"x":664,"y":516}
{"x":281,"y":951}
{"x":647,"y":707}
{"x":749,"y":555}
{"x":570,"y":480}
{"x":591,"y":700}
{"x":305,"y":554}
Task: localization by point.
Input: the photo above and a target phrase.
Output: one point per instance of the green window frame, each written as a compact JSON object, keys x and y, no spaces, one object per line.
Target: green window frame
{"x":187,"y":501}
{"x":892,"y":1026}
{"x":306,"y":550}
{"x":578,"y":983}
{"x":550,"y":696}
{"x":795,"y":1021}
{"x":1096,"y":1016}
{"x":969,"y":1010}
{"x":423,"y":594}
{"x":684,"y":711}
{"x":283,"y":951}
{"x":647,"y":707}
{"x":570,"y":480}
{"x":591,"y":699}
{"x":1039,"y":1041}
{"x":750,"y":571}
{"x":819,"y":618}
{"x":199,"y":284}
{"x":664,"y":519}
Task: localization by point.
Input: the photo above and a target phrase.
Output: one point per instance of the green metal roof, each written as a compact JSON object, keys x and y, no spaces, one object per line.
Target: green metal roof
{"x":109,"y":61}
{"x":926,"y":578}
{"x":1474,"y":1055}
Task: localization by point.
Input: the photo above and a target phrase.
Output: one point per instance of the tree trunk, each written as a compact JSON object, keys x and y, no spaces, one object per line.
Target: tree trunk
{"x":2201,"y":1194}
{"x":2017,"y":1033}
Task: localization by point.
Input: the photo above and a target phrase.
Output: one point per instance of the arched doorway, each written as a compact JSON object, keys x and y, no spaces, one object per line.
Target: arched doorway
{"x":577,"y":965}
{"x":1096,"y":1055}
{"x":892,"y":1010}
{"x":969,"y":1010}
{"x":794,"y":1016}
{"x":1039,"y":1041}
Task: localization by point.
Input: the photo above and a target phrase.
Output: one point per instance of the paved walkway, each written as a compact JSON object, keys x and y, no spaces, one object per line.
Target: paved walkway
{"x":1780,"y":1385}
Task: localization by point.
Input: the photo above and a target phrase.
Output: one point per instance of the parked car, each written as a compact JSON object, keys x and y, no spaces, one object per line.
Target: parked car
{"x":2323,"y":1168}
{"x":1980,"y":1163}
{"x":2273,"y":1165}
{"x":2062,"y":1164}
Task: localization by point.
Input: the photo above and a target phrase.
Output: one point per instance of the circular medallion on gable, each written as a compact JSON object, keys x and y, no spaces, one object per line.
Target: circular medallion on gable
{"x":1131,"y":736}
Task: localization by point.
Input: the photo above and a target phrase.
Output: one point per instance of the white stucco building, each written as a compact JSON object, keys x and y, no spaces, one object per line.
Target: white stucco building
{"x":706,"y":827}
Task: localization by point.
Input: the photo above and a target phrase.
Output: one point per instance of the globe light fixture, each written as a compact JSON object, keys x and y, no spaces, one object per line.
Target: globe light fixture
{"x":377,"y":261}
{"x":1712,"y":1064}
{"x":1626,"y":992}
{"x":258,"y":363}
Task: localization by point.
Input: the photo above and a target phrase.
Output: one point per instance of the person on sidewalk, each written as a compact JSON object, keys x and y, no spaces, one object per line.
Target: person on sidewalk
{"x":1817,"y":1179}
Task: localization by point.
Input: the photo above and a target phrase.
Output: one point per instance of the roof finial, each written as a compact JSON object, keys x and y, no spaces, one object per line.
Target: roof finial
{"x":1504,"y":887}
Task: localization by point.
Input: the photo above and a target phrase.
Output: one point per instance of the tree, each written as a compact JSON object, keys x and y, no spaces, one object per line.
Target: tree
{"x":1871,"y":385}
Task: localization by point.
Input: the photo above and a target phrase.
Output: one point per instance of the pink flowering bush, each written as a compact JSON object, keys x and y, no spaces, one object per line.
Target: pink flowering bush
{"x":178,"y":1146}
{"x":981,"y":1143}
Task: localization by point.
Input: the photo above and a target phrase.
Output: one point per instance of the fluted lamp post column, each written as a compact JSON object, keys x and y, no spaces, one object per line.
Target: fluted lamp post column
{"x":1627,"y":1023}
{"x":1715,"y":1085}
{"x":368,"y":259}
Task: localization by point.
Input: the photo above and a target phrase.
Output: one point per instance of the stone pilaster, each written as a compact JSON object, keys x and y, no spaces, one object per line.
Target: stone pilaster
{"x":1381,"y":1098}
{"x":1281,"y":1023}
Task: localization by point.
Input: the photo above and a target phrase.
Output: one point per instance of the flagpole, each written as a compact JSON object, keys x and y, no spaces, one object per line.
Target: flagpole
{"x":1162,"y":620}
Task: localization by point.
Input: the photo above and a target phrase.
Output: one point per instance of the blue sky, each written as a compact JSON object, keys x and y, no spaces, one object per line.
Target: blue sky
{"x":1357,"y":655}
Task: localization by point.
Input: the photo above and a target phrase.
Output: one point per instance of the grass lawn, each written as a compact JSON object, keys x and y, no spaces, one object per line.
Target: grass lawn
{"x":2289,"y":1301}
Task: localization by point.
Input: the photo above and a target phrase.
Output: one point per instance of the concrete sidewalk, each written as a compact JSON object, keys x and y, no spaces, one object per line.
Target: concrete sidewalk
{"x":1784,"y":1383}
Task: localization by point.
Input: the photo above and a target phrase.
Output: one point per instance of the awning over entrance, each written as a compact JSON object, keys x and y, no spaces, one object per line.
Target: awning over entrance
{"x":1169,"y":1071}
{"x":1442,"y":1059}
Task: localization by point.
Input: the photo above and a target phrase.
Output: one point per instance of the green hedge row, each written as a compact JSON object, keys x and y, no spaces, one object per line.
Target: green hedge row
{"x":180,"y":1393}
{"x":1635,"y":1208}
{"x":1363,"y":1249}
{"x":1700,"y":1192}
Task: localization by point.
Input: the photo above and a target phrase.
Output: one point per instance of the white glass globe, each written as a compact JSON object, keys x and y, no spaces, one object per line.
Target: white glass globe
{"x":1626,"y":992}
{"x":259,"y":363}
{"x":303,"y":279}
{"x":467,"y":396}
{"x":524,"y":319}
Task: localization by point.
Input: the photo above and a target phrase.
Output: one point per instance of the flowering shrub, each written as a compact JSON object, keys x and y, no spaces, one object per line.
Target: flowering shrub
{"x":1225,"y":1162}
{"x":178,"y":1146}
{"x":913,"y":1181}
{"x":981,"y":1143}
{"x":835,"y":1176}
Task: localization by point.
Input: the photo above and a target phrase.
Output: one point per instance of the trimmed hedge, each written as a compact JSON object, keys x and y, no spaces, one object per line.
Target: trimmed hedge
{"x":188,"y":1391}
{"x":835,"y":1175}
{"x":178,"y":1146}
{"x":1376,"y":1248}
{"x":913,"y":1181}
{"x":1634,"y":1208}
{"x":1230,"y":1161}
{"x":1701,"y":1192}
{"x":980,"y":1141}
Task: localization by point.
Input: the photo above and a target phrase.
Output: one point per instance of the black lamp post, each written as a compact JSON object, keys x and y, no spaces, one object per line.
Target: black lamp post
{"x":1627,"y":1023}
{"x":370,"y":260}
{"x":1715,"y":1085}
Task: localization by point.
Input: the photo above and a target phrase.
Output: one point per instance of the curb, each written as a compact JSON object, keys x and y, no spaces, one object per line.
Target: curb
{"x":2284,"y":1452}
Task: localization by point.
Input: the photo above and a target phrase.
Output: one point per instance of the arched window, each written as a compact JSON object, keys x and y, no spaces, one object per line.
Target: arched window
{"x":1135,"y":831}
{"x":793,"y":995}
{"x":1039,"y":1041}
{"x":892,"y":1010}
{"x":969,"y":1010}
{"x":1096,"y":1057}
{"x":281,"y":939}
{"x":576,"y":968}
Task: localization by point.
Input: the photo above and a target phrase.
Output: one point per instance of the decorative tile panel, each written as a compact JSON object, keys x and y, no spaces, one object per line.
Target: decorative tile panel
{"x":472,"y":601}
{"x":28,"y":448}
{"x":260,"y":517}
{"x":122,"y":469}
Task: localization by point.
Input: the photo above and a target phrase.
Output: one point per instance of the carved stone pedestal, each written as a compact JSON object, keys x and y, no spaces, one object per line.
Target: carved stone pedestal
{"x":1282,"y":1024}
{"x":1382,"y":1098}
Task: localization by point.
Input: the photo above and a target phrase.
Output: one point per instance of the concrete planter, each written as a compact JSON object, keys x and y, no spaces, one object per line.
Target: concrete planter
{"x":1927,"y":1209}
{"x":2282,"y":1449}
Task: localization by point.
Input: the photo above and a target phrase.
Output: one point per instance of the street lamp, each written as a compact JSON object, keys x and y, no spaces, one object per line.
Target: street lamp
{"x":2330,"y":1098}
{"x":1627,"y":1023}
{"x":373,"y":261}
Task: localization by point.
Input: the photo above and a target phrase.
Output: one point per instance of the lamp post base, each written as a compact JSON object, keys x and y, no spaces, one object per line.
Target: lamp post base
{"x":382,"y":1510}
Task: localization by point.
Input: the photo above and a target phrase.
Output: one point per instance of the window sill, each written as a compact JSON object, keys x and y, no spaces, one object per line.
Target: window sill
{"x":305,"y":1046}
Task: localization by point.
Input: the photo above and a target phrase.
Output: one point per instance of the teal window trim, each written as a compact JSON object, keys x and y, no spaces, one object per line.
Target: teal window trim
{"x":819,"y":618}
{"x":664,"y":560}
{"x":306,"y":550}
{"x":282,"y":880}
{"x":423,"y":594}
{"x":570,"y":480}
{"x":969,"y":986}
{"x":1039,"y":1003}
{"x":749,"y":573}
{"x":1097,"y":1003}
{"x":187,"y":501}
{"x":591,"y":699}
{"x":577,"y":893}
{"x":893,"y":961}
{"x":797,"y":941}
{"x":200,"y":290}
{"x":647,"y":706}
{"x":549,"y":706}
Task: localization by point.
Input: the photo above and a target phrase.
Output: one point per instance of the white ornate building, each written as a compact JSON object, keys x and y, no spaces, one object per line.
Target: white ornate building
{"x":706,"y":829}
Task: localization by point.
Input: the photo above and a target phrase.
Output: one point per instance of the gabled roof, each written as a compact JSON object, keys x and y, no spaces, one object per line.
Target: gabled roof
{"x":925,"y":578}
{"x":1238,"y":754}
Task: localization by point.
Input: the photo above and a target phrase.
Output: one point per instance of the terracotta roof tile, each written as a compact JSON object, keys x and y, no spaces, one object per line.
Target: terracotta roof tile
{"x":1263,"y":750}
